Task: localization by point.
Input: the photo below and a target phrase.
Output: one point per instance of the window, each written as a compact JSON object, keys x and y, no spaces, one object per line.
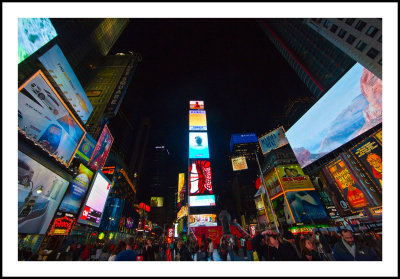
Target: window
{"x":360,"y":25}
{"x":372,"y":31}
{"x":327,"y":23}
{"x":350,"y":39}
{"x":380,"y":39}
{"x":334,"y":28}
{"x":350,"y":21}
{"x":361,"y":46}
{"x":372,"y":53}
{"x":342,"y":33}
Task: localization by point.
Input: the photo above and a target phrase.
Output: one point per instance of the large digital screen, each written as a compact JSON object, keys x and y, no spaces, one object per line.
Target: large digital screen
{"x":181,"y":191}
{"x":86,"y":148}
{"x":79,"y":186}
{"x":198,"y":145}
{"x":182,"y":212}
{"x":39,"y":193}
{"x":156,"y":201}
{"x":196,"y":104}
{"x":58,"y":67}
{"x":92,"y":210}
{"x":200,"y":181}
{"x":203,"y":220}
{"x":351,"y":107}
{"x":242,"y":138}
{"x":103,"y":147}
{"x":44,"y":118}
{"x":273,"y":140}
{"x":272,"y":183}
{"x":239,"y":163}
{"x":33,"y":33}
{"x":282,"y":211}
{"x":292,"y":177}
{"x":206,"y":200}
{"x":306,"y":206}
{"x":197,"y":120}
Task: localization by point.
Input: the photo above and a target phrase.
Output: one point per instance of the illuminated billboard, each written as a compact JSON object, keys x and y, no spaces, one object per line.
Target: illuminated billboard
{"x":282,"y":211}
{"x":181,"y":190}
{"x":182,"y":212}
{"x":79,"y":186}
{"x":206,"y":200}
{"x":273,"y":140}
{"x":350,"y":108}
{"x":239,"y":163}
{"x":198,"y":145}
{"x":101,"y":150}
{"x":243,"y":138}
{"x":200,"y":181}
{"x":86,"y":148}
{"x":196,"y":104}
{"x":197,"y":120}
{"x":39,"y":193}
{"x":60,"y":70}
{"x":378,"y":136}
{"x":92,"y":210}
{"x":33,"y":33}
{"x":156,"y":201}
{"x":271,"y":181}
{"x":203,"y":220}
{"x":292,"y":177}
{"x":44,"y":118}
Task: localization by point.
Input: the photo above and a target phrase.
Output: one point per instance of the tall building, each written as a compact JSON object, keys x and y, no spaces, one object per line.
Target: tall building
{"x":245,"y":145}
{"x":318,"y":62}
{"x":359,"y":38}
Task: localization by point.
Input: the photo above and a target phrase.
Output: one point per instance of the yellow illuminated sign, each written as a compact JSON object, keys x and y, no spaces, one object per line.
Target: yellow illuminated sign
{"x":292,"y":177}
{"x":181,"y":182}
{"x":197,"y":120}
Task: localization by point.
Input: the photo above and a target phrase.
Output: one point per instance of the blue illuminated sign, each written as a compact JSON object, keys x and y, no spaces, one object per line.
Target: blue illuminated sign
{"x":198,"y":145}
{"x":205,"y":200}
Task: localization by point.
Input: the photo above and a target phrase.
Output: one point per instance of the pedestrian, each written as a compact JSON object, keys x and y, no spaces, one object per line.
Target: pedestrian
{"x":118,"y":248}
{"x":184,"y":254}
{"x":249,"y":249}
{"x":203,"y":248}
{"x":98,"y":252}
{"x":210,"y":249}
{"x":230,"y":248}
{"x":290,"y":239}
{"x":105,"y":253}
{"x":128,"y":254}
{"x":223,"y":250}
{"x":371,"y":241}
{"x":257,"y":244}
{"x":280,"y":251}
{"x":148,"y":252}
{"x":347,"y":249}
{"x":243,"y":246}
{"x":86,"y":253}
{"x":308,"y":252}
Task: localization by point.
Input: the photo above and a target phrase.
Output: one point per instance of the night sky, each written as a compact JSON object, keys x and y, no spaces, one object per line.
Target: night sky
{"x":229,"y":63}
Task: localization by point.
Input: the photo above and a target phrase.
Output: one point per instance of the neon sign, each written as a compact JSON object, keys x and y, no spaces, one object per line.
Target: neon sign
{"x":62,"y":226}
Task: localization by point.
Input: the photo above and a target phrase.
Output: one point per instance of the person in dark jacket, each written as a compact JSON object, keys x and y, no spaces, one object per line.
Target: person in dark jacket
{"x":148,"y":251}
{"x":257,"y":243}
{"x":290,"y":239}
{"x":280,"y":251}
{"x":347,"y":249}
{"x":308,"y":252}
{"x":184,"y":254}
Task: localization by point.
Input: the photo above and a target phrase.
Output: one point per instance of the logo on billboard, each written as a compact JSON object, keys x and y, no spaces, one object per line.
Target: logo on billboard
{"x":239,"y":163}
{"x":273,"y":140}
{"x":200,"y":177}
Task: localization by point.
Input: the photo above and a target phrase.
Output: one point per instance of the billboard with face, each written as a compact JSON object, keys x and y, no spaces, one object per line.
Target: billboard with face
{"x":239,"y":163}
{"x":203,"y":220}
{"x":196,"y":104}
{"x":93,"y":207}
{"x":206,"y":200}
{"x":198,"y":145}
{"x":273,"y":140}
{"x":101,"y":150}
{"x":75,"y":195}
{"x":58,"y":67}
{"x":44,"y":118}
{"x":306,"y":206}
{"x":197,"y":120}
{"x":350,"y":108}
{"x":39,"y":194}
{"x":86,"y":148}
{"x":33,"y":33}
{"x":200,"y":181}
{"x":292,"y":177}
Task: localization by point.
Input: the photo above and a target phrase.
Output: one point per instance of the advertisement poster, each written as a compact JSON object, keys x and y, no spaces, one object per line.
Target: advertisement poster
{"x":282,"y":210}
{"x":292,"y":177}
{"x":86,"y":148}
{"x":206,"y":200}
{"x":181,"y":192}
{"x":273,"y":140}
{"x":101,"y":150}
{"x":112,"y":214}
{"x":196,"y":104}
{"x":239,"y":163}
{"x":197,"y":120}
{"x":62,"y":225}
{"x":58,"y":67}
{"x":182,"y":212}
{"x":76,"y":193}
{"x":369,"y":154}
{"x":350,"y":108}
{"x":201,"y":220}
{"x":272,"y":183}
{"x":378,"y":136}
{"x":95,"y":201}
{"x":259,"y":204}
{"x":44,"y":118}
{"x":325,"y":198}
{"x":200,"y":181}
{"x":347,"y":185}
{"x":33,"y":33}
{"x":39,"y":193}
{"x":198,"y":145}
{"x":156,"y":201}
{"x":253,"y":230}
{"x":306,"y":206}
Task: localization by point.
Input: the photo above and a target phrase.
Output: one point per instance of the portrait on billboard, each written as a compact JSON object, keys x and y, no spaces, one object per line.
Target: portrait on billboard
{"x":198,"y":145}
{"x":39,"y":193}
{"x":101,"y":150}
{"x":200,"y":181}
{"x":292,"y":177}
{"x":196,"y":104}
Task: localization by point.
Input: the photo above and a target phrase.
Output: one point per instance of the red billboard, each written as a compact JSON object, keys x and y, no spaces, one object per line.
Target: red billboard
{"x":101,"y":150}
{"x":200,"y":177}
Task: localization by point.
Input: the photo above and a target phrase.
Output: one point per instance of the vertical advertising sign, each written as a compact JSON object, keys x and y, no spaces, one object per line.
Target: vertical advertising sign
{"x":200,"y":177}
{"x":282,"y":210}
{"x":181,"y":182}
{"x":101,"y":150}
{"x":86,"y":148}
{"x":198,"y":145}
{"x":378,"y":136}
{"x":271,"y":181}
{"x":273,"y":140}
{"x":197,"y":120}
{"x":253,"y":230}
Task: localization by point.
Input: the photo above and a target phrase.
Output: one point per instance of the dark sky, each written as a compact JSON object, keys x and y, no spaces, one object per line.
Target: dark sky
{"x":228,"y":63}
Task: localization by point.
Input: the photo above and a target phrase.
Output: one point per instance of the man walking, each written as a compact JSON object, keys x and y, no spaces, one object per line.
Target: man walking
{"x":128,"y":254}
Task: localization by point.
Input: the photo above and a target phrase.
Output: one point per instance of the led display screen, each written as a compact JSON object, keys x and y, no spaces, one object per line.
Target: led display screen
{"x":200,"y":181}
{"x":44,"y":118}
{"x":242,"y":138}
{"x":86,"y":148}
{"x":197,"y":120}
{"x":292,"y":177}
{"x":58,"y":67}
{"x":206,"y":200}
{"x":92,"y":210}
{"x":239,"y":163}
{"x":273,"y":140}
{"x":181,"y":191}
{"x":156,"y":201}
{"x":203,"y":220}
{"x":350,"y":108}
{"x":282,"y":211}
{"x":272,"y":183}
{"x":39,"y":193}
{"x":76,"y":193}
{"x":33,"y":33}
{"x":196,"y":104}
{"x":101,"y":150}
{"x":198,"y":145}
{"x":182,"y":212}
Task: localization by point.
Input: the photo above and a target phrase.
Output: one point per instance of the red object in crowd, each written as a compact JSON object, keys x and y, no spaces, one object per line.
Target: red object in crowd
{"x":139,"y":258}
{"x":248,"y":245}
{"x":258,"y":183}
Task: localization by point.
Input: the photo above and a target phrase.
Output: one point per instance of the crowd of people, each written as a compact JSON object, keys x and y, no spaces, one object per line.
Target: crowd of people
{"x":320,"y":245}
